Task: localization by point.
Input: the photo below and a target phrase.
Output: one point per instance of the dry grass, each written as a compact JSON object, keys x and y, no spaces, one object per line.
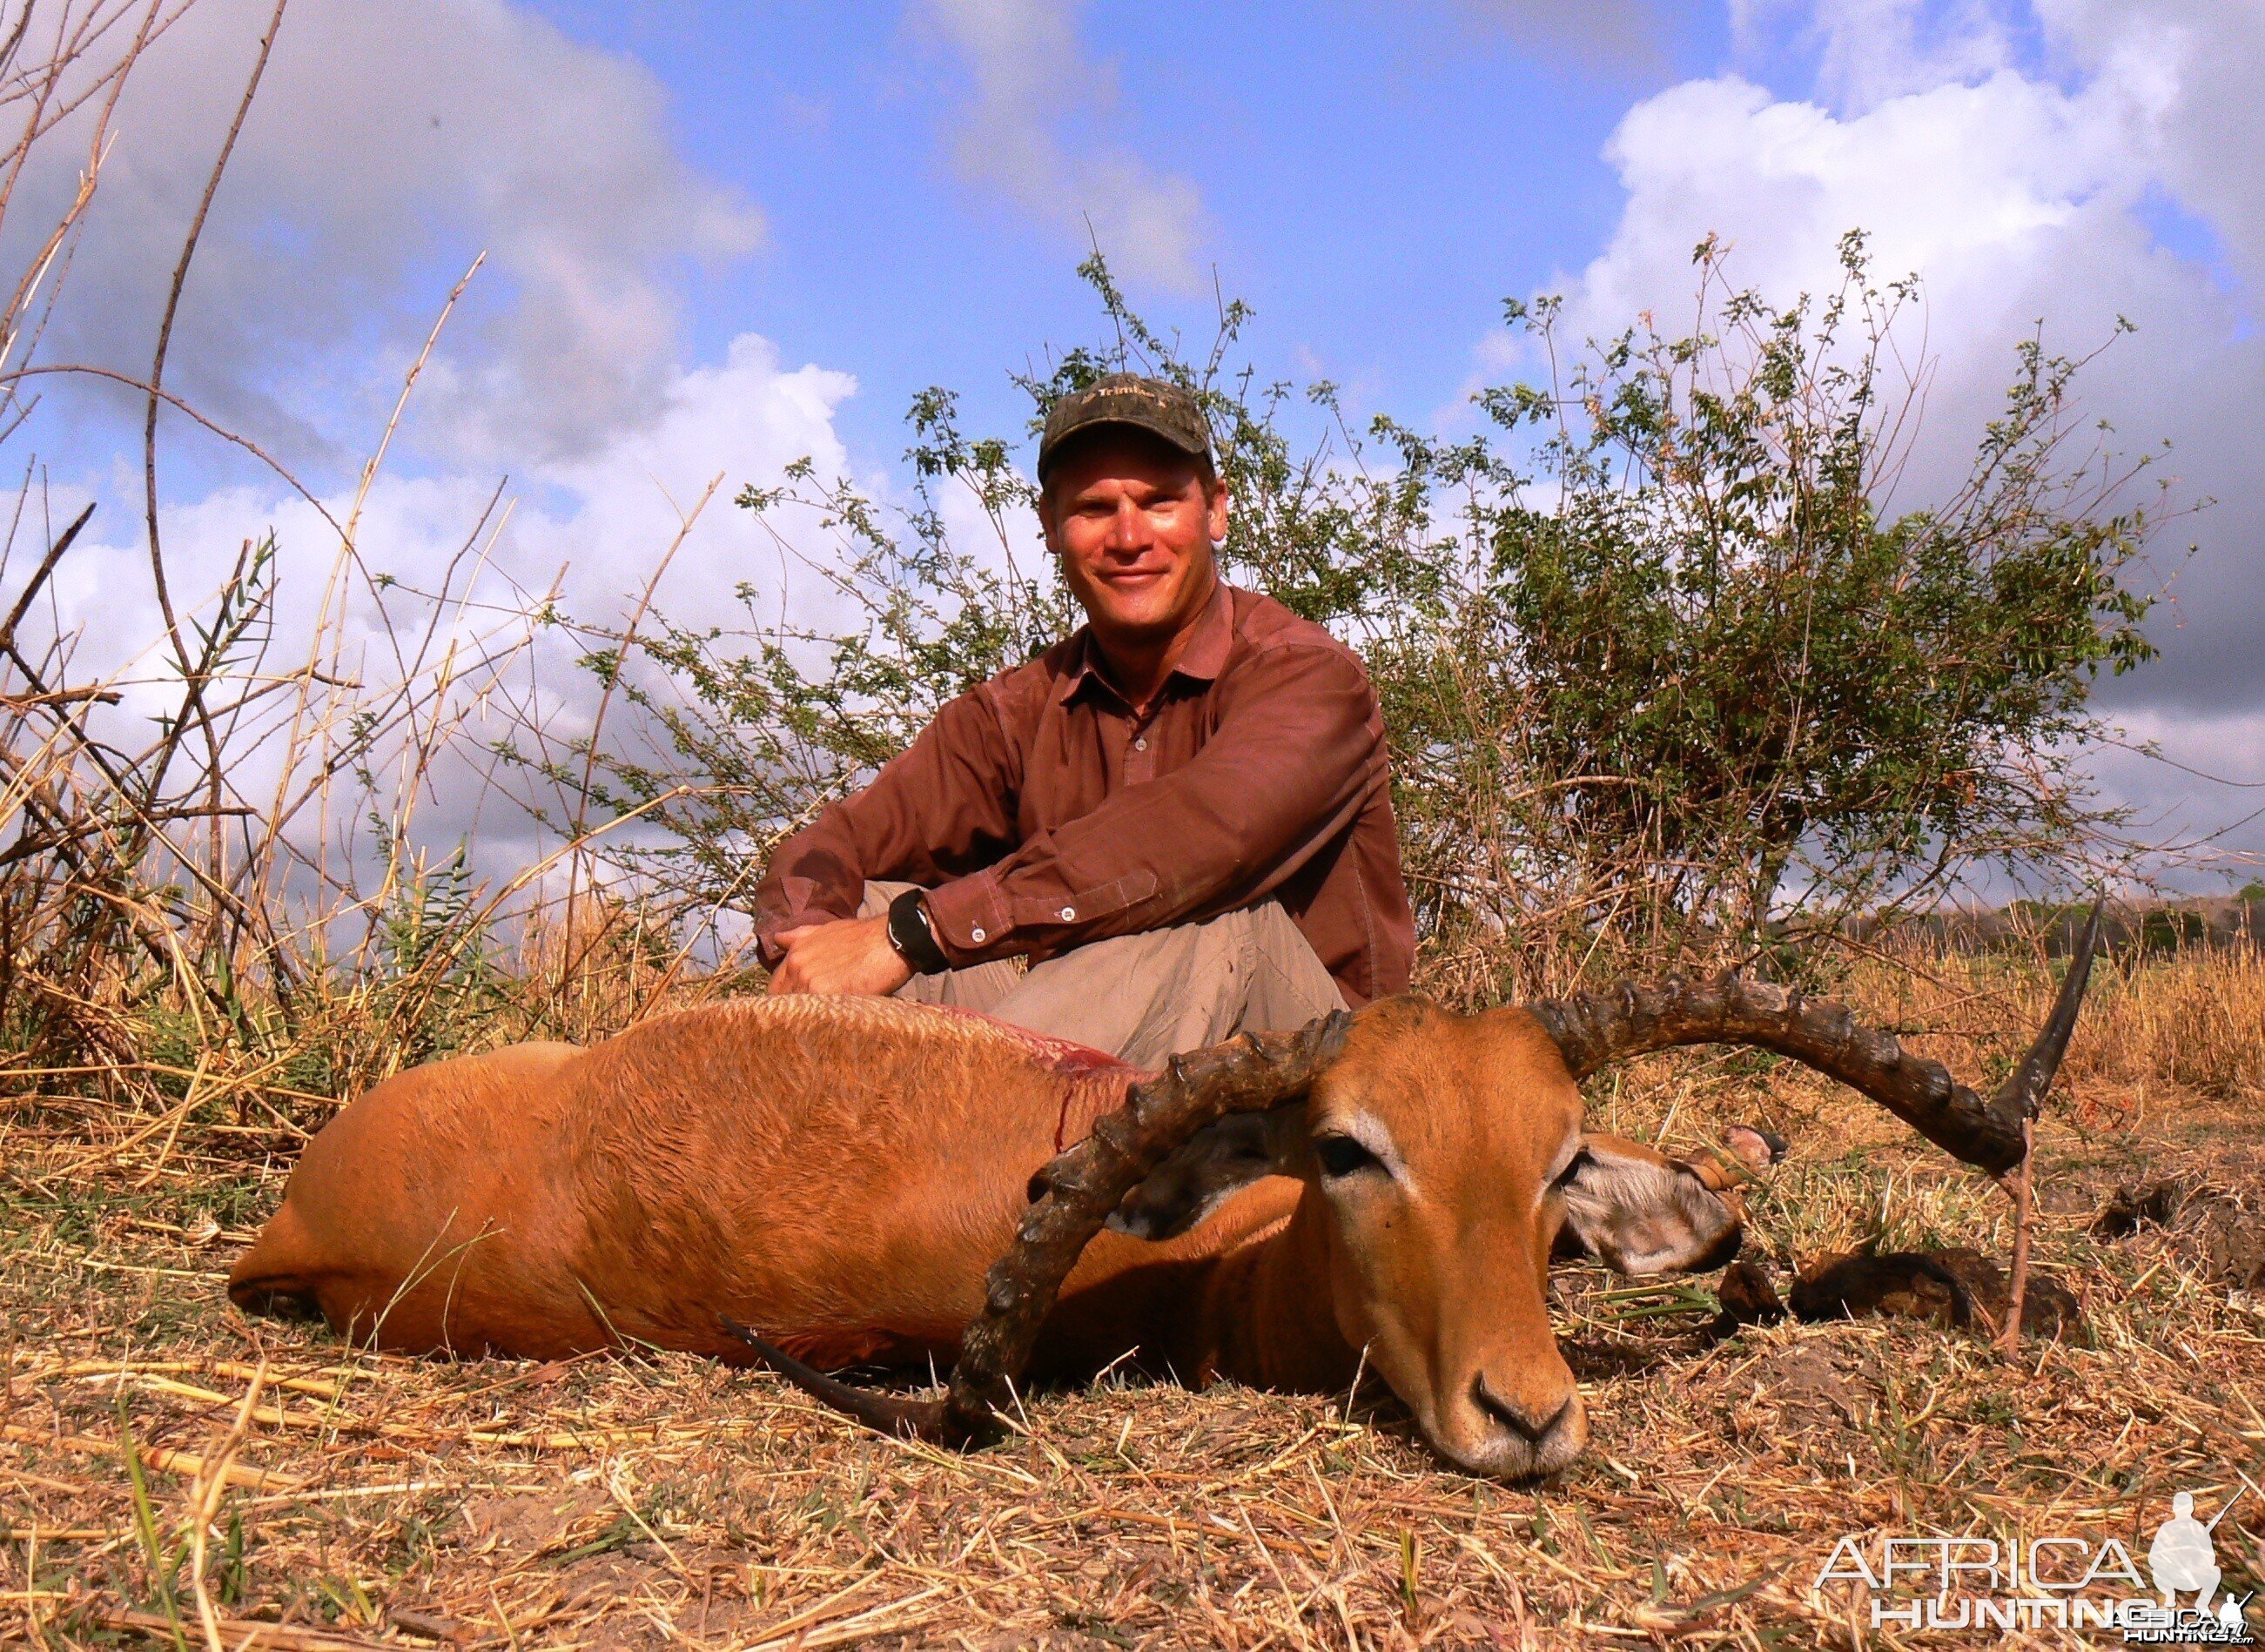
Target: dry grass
{"x":2195,"y":1020}
{"x":634,"y":1499}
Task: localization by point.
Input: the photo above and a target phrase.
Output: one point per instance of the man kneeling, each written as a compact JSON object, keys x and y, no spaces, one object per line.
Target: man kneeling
{"x":1179,"y":816}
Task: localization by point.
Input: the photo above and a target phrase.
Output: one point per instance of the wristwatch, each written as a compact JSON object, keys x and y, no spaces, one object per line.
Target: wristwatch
{"x":912,"y":936}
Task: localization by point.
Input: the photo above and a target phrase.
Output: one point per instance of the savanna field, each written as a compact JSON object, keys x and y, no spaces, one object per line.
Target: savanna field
{"x":176,"y":1473}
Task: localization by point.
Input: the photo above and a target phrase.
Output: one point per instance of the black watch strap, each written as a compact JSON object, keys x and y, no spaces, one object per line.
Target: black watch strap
{"x":910,"y":935}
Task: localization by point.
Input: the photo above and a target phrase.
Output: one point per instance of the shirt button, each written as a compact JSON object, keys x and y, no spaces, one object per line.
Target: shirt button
{"x":976,"y":936}
{"x":1140,"y":744}
{"x":1069,"y":914}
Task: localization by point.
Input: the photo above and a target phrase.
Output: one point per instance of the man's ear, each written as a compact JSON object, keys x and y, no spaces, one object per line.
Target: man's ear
{"x":1214,"y":1163}
{"x":1638,"y":1211}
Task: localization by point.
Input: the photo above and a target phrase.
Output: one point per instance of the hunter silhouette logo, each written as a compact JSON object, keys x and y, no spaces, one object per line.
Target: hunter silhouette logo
{"x":2183,"y":1558}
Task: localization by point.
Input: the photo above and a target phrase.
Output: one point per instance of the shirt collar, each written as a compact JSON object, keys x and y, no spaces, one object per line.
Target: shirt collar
{"x":1214,"y":635}
{"x":1204,"y":659}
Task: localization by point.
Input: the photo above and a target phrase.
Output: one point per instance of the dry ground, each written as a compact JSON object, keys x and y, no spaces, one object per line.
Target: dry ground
{"x":632,"y":1500}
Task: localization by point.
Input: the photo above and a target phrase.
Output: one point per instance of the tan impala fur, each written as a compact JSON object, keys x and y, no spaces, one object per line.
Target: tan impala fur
{"x":838,"y":1172}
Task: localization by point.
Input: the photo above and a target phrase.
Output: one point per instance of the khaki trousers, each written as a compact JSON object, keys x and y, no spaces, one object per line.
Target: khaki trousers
{"x":1143,"y":997}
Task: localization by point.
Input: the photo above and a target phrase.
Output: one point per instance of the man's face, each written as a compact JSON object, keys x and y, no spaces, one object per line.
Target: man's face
{"x":1134,"y":525}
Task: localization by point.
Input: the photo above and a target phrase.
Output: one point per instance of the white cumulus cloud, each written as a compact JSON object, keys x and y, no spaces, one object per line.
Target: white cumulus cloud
{"x":387,"y":145}
{"x":1027,"y":133}
{"x":594,"y":528}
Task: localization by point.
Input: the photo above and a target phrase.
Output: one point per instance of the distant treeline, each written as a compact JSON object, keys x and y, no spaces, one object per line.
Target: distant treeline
{"x":2168,"y":926}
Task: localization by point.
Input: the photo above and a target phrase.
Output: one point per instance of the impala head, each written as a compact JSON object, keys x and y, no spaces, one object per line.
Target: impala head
{"x":1441,"y":1145}
{"x":1447,"y":1159}
{"x":1447,"y":1154}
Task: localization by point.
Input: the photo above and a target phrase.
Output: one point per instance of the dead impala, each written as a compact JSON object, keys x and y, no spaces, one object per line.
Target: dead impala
{"x":837,"y":1173}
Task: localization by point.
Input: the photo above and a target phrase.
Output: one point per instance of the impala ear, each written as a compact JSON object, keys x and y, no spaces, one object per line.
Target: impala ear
{"x":1219,"y":1159}
{"x":1638,"y":1211}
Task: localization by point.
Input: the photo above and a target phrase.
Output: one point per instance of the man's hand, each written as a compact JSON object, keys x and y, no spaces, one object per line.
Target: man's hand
{"x":850,"y":956}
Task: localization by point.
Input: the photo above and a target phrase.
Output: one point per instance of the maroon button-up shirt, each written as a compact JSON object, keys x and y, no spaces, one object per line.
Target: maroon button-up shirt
{"x":1041,"y":813}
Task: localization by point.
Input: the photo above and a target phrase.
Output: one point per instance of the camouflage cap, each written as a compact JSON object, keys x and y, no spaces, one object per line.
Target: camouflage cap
{"x":1161,"y":408}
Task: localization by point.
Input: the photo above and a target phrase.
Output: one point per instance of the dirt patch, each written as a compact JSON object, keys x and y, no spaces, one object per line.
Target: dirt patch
{"x":2233,"y":1248}
{"x":1810,"y":1383}
{"x":529,"y":1523}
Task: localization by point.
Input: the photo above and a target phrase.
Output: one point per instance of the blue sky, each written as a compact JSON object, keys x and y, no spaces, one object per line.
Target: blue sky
{"x":1374,"y":179}
{"x":719,"y":237}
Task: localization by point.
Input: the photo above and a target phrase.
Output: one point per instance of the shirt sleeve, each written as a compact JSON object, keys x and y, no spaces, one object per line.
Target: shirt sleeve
{"x":1298,"y":749}
{"x":938,"y":810}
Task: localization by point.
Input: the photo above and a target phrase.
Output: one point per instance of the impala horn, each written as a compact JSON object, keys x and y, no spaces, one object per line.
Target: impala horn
{"x":1071,"y":1198}
{"x":1592,"y":1030}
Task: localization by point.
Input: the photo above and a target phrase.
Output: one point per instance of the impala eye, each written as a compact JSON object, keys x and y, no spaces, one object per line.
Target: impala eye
{"x":1342,"y":1155}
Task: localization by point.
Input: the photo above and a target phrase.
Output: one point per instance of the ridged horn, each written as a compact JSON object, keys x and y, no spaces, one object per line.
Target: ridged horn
{"x":1071,"y":1198}
{"x":1593,"y":1029}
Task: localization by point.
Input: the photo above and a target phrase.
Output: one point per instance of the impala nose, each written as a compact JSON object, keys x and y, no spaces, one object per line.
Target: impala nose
{"x":1525,"y":1421}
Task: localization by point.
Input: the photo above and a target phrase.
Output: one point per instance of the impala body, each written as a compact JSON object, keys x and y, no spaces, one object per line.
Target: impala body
{"x":835,"y":1172}
{"x":838,"y":1172}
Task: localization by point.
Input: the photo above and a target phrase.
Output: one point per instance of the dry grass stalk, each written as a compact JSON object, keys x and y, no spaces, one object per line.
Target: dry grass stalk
{"x":2023,"y":1192}
{"x":204,"y":1505}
